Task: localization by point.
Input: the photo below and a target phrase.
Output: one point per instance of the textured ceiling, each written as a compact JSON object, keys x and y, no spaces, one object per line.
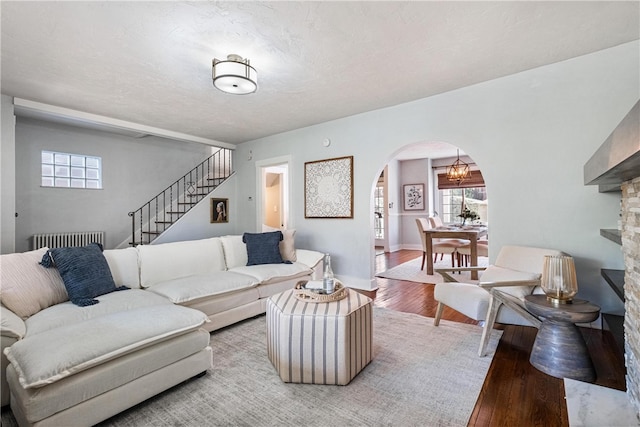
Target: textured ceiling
{"x":150,"y":62}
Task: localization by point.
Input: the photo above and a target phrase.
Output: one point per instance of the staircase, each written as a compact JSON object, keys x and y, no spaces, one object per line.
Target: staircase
{"x":165,"y":209}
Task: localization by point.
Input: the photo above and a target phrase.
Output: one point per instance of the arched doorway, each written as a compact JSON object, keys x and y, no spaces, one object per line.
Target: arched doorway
{"x":422,"y":166}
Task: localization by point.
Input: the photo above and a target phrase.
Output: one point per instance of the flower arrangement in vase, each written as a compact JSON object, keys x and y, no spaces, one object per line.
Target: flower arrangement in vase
{"x":468,"y":214}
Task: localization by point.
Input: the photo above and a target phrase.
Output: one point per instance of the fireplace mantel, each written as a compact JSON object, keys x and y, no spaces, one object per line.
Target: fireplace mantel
{"x":618,"y":158}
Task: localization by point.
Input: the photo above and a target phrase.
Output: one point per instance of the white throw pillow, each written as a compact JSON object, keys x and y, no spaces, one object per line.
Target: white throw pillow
{"x":287,"y":246}
{"x":27,"y":287}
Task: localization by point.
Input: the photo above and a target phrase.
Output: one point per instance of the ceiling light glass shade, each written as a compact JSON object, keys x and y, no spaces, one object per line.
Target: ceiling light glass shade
{"x":234,"y":75}
{"x":458,"y":171}
{"x":558,"y":279}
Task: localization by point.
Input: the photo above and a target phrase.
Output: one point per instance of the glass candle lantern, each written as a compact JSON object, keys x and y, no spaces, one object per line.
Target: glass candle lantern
{"x":558,"y":280}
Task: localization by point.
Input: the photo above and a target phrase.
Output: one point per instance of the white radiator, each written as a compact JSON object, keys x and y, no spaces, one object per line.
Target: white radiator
{"x":59,"y":240}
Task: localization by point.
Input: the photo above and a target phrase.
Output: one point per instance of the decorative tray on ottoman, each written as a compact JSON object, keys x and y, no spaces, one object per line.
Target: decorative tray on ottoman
{"x":314,"y":294}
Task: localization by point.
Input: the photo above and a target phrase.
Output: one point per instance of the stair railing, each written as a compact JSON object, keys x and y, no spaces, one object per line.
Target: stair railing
{"x":159,"y":213}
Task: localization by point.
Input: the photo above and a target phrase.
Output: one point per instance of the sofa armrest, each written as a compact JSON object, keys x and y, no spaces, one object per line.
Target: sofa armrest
{"x":12,"y":329}
{"x":312,"y":259}
{"x":309,"y":258}
{"x":10,"y":324}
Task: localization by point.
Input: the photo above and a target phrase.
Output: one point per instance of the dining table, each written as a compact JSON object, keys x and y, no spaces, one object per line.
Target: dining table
{"x":468,"y":232}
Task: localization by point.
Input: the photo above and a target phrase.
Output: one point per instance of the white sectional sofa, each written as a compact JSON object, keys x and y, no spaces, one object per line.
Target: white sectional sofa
{"x":64,"y":364}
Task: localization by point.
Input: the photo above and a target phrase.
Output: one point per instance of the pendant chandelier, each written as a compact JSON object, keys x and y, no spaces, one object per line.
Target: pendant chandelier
{"x":234,"y":75}
{"x":458,"y":171}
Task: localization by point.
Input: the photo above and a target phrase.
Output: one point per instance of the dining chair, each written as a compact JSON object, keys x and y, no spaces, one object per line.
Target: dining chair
{"x":464,"y":252}
{"x":438,"y":245}
{"x":499,"y":296}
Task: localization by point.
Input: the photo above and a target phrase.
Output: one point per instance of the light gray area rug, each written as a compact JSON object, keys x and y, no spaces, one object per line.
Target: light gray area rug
{"x":420,"y":375}
{"x":410,"y":271}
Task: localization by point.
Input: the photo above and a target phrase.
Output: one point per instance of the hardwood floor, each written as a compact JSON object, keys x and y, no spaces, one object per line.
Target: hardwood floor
{"x":514,"y":392}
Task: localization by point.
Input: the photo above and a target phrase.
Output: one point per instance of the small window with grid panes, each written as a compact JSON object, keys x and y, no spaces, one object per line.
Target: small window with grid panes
{"x":66,"y":170}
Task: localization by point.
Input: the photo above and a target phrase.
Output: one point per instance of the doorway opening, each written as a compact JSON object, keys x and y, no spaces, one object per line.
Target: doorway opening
{"x":273,"y":197}
{"x":380,"y":215}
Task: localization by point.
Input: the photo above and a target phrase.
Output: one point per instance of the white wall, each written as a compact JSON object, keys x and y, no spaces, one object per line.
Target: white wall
{"x":530,"y":134}
{"x":196,"y":224}
{"x":7,"y":178}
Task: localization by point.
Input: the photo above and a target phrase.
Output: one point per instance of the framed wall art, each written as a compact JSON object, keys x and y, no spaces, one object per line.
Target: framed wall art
{"x":328,"y":188}
{"x":413,"y":197}
{"x":219,"y":210}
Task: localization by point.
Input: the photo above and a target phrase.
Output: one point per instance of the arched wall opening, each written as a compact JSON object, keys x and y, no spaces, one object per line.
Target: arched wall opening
{"x":414,"y":169}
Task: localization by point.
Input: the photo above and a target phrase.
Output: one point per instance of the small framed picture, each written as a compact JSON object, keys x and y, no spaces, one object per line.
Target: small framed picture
{"x":219,"y":210}
{"x":413,"y":197}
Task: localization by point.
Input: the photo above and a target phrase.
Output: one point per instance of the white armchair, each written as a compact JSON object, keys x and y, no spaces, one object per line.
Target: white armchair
{"x":499,"y":297}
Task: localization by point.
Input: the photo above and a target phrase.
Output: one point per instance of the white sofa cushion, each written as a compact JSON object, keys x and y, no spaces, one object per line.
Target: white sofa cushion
{"x":67,"y":313}
{"x":192,"y":288}
{"x":499,"y":274}
{"x":47,"y":358}
{"x":167,"y":261}
{"x":235,"y":251}
{"x":28,"y":287}
{"x":264,"y":273}
{"x":123,"y":264}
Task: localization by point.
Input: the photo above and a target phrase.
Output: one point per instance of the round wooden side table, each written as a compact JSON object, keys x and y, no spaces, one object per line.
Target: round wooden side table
{"x":559,"y":349}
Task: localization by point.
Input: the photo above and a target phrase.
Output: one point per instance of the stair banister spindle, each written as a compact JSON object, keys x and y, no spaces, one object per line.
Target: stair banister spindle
{"x":164,"y":203}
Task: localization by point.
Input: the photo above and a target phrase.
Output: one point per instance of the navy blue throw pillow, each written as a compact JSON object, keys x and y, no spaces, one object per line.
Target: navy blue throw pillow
{"x":263,"y":248}
{"x":84,"y":270}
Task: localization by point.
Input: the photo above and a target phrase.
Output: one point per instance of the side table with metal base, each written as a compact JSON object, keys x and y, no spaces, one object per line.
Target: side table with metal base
{"x":559,"y":349}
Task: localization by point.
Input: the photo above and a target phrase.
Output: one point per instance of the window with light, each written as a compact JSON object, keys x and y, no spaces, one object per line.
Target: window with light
{"x":66,"y":170}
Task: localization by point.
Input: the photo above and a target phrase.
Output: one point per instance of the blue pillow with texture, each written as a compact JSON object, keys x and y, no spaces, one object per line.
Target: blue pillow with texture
{"x":263,"y":248}
{"x":84,"y":270}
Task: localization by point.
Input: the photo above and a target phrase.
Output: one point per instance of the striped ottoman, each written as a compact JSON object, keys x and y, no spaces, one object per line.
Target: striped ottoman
{"x":319,"y":343}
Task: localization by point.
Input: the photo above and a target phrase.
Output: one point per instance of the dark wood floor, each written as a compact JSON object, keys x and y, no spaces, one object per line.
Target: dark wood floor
{"x":514,"y":392}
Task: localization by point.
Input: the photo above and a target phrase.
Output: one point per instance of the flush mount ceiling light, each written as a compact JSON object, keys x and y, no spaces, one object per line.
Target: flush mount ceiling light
{"x":235,"y":75}
{"x":458,"y":171}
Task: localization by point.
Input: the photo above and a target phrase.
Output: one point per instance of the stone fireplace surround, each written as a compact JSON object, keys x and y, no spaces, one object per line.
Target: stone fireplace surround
{"x":631,"y":252}
{"x":590,"y":404}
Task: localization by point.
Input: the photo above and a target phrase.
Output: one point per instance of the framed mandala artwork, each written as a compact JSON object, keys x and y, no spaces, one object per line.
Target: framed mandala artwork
{"x":328,"y":188}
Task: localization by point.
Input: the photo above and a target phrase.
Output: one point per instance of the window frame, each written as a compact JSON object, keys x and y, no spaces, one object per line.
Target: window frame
{"x":68,"y":170}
